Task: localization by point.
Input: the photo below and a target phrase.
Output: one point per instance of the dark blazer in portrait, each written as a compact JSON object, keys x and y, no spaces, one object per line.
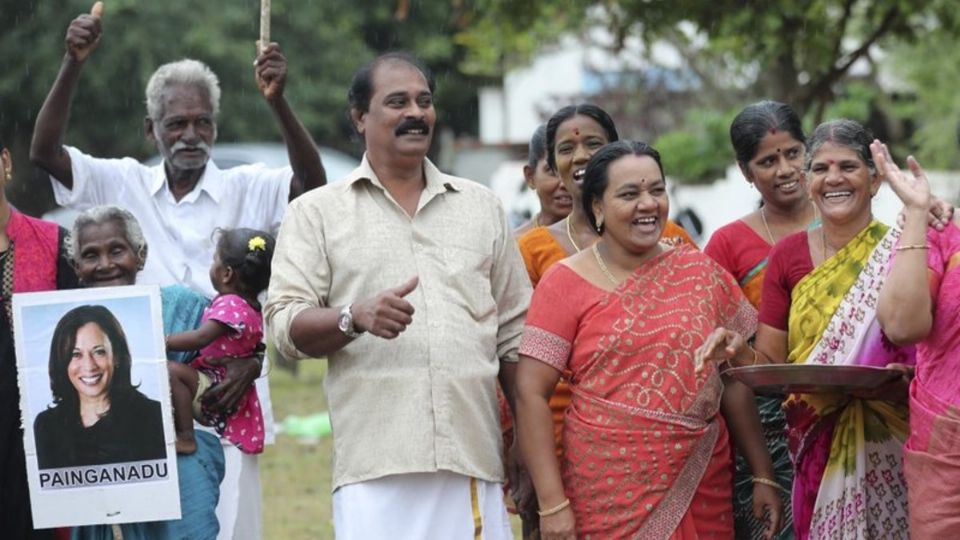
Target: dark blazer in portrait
{"x":131,"y":431}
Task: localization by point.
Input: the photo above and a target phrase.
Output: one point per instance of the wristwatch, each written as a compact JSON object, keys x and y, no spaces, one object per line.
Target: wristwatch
{"x":345,"y":323}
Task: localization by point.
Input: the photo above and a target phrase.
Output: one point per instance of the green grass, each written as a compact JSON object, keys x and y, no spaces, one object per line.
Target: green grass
{"x":296,"y":476}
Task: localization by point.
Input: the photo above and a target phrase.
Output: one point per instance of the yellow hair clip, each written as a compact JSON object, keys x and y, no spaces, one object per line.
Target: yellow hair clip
{"x":257,"y":243}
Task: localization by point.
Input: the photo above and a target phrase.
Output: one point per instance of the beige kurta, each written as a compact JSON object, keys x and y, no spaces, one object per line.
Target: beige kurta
{"x":425,"y":401}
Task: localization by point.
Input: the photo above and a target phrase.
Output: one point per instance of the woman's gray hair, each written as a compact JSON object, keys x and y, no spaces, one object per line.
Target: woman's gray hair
{"x":187,"y":71}
{"x":846,"y":133}
{"x":98,"y":215}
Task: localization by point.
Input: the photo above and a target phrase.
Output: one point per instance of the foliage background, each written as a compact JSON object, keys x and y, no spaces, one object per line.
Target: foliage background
{"x":324,"y":42}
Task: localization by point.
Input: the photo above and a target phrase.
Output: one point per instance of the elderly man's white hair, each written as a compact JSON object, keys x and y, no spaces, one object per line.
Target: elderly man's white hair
{"x":186,"y":71}
{"x":98,"y":215}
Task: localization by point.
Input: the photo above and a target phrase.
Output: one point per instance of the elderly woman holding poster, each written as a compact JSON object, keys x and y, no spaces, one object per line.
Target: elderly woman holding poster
{"x":109,"y":249}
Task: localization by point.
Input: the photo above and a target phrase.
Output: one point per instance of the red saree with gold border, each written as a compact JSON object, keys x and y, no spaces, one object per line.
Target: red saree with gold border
{"x":646,"y":454}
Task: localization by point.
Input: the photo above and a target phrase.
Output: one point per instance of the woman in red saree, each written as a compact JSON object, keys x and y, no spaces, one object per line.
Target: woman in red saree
{"x":645,"y":452}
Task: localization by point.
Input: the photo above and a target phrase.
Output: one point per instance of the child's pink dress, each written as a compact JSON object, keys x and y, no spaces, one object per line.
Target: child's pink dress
{"x":244,"y":427}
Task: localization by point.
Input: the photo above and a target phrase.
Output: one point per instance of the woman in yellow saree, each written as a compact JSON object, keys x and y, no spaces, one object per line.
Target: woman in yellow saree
{"x":819,"y":306}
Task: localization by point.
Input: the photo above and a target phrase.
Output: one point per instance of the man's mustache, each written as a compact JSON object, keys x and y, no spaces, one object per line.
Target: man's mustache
{"x":180,"y":145}
{"x":413,"y":124}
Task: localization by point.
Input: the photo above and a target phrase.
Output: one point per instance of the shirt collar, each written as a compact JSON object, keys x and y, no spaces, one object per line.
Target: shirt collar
{"x":211,"y":182}
{"x":437,"y":182}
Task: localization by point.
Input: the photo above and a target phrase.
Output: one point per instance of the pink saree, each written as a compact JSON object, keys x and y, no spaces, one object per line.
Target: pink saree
{"x":646,"y":454}
{"x":932,"y":453}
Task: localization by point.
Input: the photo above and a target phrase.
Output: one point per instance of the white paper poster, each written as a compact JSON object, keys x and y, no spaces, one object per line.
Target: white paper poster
{"x":95,"y":397}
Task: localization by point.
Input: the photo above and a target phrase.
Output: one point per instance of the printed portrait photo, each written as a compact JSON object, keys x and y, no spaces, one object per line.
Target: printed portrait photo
{"x":96,"y":401}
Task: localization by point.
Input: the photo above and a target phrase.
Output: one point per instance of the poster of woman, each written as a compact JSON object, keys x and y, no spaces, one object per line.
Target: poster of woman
{"x":95,"y":397}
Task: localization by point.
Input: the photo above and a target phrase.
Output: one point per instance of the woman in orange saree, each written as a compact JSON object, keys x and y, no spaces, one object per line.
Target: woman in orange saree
{"x":645,"y":451}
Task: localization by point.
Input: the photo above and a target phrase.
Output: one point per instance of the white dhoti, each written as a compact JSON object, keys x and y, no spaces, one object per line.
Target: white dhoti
{"x":239,"y":509}
{"x":422,"y":505}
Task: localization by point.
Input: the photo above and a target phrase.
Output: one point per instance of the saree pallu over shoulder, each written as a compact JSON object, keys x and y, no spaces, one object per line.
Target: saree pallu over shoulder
{"x":848,"y":452}
{"x":645,"y":450}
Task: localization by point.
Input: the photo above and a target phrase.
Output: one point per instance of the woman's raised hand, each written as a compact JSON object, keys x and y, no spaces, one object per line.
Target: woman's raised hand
{"x":912,"y":189}
{"x":721,"y":346}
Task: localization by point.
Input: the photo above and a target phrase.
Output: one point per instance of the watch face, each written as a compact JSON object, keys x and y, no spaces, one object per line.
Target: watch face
{"x":344,"y":322}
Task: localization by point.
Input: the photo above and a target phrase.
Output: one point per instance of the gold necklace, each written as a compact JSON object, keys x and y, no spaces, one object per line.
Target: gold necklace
{"x":763,"y":217}
{"x":570,"y":232}
{"x":536,"y":220}
{"x":603,"y":266}
{"x":823,"y":244}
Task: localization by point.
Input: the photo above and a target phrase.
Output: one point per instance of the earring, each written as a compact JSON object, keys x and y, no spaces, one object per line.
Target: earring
{"x":8,"y":176}
{"x":599,"y":225}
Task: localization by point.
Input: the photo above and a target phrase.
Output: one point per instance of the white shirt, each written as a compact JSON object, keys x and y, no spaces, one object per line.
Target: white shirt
{"x":179,"y":233}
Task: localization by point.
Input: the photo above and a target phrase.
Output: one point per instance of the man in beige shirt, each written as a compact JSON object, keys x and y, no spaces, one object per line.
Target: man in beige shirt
{"x":409,"y":282}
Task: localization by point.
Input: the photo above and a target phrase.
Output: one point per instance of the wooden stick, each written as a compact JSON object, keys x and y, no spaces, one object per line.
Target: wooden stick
{"x":264,"y":24}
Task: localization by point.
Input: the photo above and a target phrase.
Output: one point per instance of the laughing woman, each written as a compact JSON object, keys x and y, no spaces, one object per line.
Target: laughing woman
{"x":819,"y":306}
{"x":645,"y":450}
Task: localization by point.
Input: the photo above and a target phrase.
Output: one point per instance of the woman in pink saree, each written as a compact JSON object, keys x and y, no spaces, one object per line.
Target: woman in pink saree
{"x":921,"y":301}
{"x":646,"y":452}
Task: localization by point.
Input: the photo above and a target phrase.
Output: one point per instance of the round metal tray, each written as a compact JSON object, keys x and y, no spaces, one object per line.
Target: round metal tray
{"x":812,"y":378}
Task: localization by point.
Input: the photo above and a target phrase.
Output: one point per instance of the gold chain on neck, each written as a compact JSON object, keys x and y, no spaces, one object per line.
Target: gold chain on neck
{"x":763,"y":217}
{"x":570,"y":232}
{"x":603,"y":266}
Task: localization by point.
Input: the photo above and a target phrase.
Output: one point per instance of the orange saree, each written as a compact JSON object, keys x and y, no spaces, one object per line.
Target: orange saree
{"x":645,"y":453}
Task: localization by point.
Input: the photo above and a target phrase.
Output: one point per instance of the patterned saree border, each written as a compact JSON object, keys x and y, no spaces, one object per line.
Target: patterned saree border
{"x":840,"y":339}
{"x":666,"y":517}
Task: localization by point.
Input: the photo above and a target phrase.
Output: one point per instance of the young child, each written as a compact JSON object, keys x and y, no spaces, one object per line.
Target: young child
{"x":231,"y":327}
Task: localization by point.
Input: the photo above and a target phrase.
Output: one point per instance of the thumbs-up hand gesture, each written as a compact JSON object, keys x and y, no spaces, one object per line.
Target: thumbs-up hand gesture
{"x":387,"y":314}
{"x":83,"y":34}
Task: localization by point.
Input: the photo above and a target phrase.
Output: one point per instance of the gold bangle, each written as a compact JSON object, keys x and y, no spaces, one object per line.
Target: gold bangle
{"x":767,"y":482}
{"x":555,"y":509}
{"x":911,"y":246}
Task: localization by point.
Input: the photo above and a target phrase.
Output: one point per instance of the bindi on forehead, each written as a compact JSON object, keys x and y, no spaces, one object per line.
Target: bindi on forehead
{"x":576,"y":131}
{"x":773,"y":131}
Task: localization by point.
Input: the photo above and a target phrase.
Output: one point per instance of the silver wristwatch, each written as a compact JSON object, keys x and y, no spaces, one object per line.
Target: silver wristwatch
{"x":345,"y":323}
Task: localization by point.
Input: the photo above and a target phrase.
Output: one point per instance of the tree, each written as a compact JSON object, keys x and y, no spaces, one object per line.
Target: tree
{"x":797,"y":50}
{"x":931,"y":66}
{"x":324,"y":43}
